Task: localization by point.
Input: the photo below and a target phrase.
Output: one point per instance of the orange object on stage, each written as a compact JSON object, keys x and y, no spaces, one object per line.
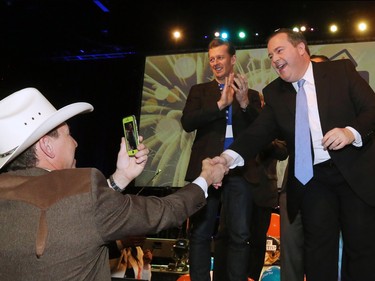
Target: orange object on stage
{"x":274,"y":227}
{"x":185,"y":277}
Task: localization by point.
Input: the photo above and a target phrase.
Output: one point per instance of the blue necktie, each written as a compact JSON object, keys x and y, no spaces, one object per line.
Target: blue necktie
{"x":303,"y":169}
{"x":229,"y":132}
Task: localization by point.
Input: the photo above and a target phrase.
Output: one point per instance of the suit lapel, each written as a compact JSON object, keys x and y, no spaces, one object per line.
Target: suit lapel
{"x":213,"y":87}
{"x":288,"y":95}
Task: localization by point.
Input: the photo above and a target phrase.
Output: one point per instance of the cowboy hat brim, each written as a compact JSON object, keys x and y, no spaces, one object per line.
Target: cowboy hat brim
{"x":52,"y":122}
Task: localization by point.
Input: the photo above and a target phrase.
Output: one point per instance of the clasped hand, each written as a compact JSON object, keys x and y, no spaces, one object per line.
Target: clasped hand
{"x":213,"y":171}
{"x":220,"y":165}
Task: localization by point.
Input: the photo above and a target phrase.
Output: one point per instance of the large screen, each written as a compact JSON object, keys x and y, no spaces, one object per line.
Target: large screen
{"x":167,"y":81}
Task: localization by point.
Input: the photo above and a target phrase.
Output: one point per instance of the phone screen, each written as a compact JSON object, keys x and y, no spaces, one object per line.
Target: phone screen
{"x":131,"y":134}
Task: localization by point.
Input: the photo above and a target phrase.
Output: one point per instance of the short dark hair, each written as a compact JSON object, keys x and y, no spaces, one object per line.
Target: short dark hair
{"x":219,"y":42}
{"x":28,"y":158}
{"x":294,"y":37}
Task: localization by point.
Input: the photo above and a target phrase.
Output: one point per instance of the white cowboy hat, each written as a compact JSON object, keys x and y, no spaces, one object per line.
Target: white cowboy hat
{"x":26,"y":116}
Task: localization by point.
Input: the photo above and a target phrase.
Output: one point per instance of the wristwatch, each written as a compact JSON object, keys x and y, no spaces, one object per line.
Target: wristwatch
{"x":113,"y":185}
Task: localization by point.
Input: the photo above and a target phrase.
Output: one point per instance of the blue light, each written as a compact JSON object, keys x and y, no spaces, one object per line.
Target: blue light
{"x":101,"y":6}
{"x":224,"y":35}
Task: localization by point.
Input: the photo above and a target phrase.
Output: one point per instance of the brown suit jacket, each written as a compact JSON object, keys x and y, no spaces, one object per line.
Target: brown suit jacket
{"x":56,"y":225}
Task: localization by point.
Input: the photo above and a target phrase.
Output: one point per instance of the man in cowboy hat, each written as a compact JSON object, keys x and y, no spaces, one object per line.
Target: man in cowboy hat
{"x":56,"y":220}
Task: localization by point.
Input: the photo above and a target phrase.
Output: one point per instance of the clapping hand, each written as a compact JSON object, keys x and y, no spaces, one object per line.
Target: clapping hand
{"x":241,"y":89}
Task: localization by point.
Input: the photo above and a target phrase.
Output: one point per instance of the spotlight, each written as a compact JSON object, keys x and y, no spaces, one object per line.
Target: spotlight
{"x":333,"y":28}
{"x":224,"y":35}
{"x":242,"y":35}
{"x":177,"y":34}
{"x":362,"y":26}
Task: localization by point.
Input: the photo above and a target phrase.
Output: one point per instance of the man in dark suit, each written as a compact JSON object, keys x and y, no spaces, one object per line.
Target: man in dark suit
{"x":206,"y":111}
{"x":291,"y":253}
{"x":341,"y":194}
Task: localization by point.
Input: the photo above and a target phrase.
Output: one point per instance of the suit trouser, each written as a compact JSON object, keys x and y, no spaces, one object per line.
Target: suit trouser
{"x":291,"y":241}
{"x":232,"y":244}
{"x":258,"y":236}
{"x":330,"y":204}
{"x":203,"y":226}
{"x":259,"y":225}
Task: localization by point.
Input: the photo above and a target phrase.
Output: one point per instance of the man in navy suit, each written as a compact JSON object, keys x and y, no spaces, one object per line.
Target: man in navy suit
{"x":341,"y":193}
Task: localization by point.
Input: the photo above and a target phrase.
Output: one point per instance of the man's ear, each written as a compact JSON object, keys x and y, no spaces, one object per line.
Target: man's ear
{"x":301,"y":48}
{"x":233,"y":59}
{"x":46,"y":145}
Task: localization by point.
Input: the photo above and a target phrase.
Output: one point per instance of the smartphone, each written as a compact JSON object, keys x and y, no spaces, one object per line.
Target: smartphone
{"x":131,"y":134}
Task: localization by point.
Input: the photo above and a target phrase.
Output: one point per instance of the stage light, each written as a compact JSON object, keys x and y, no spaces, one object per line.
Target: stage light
{"x":217,"y":34}
{"x":333,"y":28}
{"x":295,"y":29}
{"x":224,"y":35}
{"x":177,"y":34}
{"x":362,"y":27}
{"x":242,"y":35}
{"x":101,"y":6}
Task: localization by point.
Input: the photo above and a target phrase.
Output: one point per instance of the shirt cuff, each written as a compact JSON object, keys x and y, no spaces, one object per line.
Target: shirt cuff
{"x":237,"y":159}
{"x":357,"y":137}
{"x":201,"y":182}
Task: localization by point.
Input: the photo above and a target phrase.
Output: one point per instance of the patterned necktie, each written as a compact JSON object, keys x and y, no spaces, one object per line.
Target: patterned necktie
{"x":228,"y":132}
{"x":303,"y":169}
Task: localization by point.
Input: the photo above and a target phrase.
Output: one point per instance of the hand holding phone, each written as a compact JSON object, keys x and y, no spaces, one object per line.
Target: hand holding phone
{"x":131,"y":134}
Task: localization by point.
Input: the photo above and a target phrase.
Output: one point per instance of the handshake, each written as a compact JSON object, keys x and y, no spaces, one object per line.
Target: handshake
{"x":213,"y":170}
